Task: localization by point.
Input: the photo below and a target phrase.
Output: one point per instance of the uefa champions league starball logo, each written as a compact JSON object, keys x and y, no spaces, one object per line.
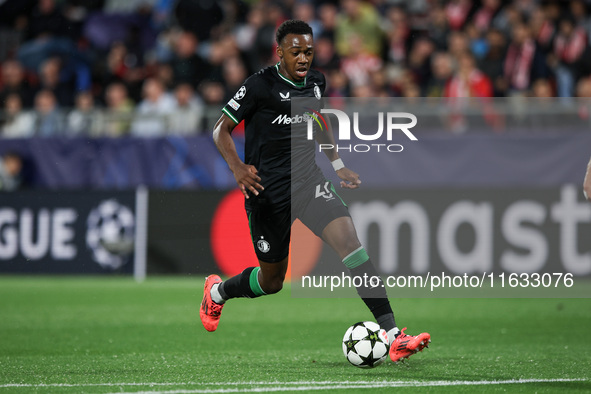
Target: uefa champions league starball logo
{"x":110,"y":234}
{"x":240,"y":93}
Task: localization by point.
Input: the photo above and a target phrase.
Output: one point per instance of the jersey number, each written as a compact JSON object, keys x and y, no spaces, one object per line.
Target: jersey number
{"x":324,"y":192}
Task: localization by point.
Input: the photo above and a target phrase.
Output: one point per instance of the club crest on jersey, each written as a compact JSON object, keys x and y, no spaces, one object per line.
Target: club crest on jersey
{"x":317,"y":92}
{"x":284,"y":96}
{"x":240,"y":93}
{"x":263,"y":245}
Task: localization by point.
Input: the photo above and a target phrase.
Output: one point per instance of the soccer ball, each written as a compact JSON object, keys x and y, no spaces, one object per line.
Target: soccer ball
{"x":365,"y":344}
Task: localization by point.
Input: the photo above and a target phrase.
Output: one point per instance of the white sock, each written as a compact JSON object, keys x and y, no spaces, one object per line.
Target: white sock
{"x":392,"y":335}
{"x":215,"y":294}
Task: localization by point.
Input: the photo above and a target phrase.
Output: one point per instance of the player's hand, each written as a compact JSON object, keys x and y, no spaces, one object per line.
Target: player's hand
{"x":247,"y":179}
{"x":350,"y":179}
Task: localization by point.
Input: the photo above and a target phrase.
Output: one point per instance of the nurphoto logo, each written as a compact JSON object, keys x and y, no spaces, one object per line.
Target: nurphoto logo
{"x":390,"y":119}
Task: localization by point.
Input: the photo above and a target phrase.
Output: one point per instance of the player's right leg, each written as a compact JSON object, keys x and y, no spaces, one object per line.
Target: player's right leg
{"x":253,"y":282}
{"x":270,"y":235}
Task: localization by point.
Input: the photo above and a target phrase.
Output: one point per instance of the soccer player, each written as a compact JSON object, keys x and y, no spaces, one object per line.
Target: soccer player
{"x":274,"y":195}
{"x":587,"y":182}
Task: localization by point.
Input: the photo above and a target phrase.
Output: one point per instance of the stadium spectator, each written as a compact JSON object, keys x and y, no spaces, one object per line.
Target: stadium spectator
{"x":438,"y":29}
{"x":85,"y":119}
{"x":457,"y":13}
{"x":441,"y":72}
{"x":263,"y":49}
{"x":46,"y":21}
{"x":524,"y":62}
{"x":152,"y":113}
{"x":212,"y":93}
{"x":569,"y":47}
{"x":11,"y":172}
{"x":14,"y":14}
{"x":477,"y":42}
{"x":337,"y":85}
{"x":360,"y":63}
{"x":49,"y":79}
{"x":380,"y":84}
{"x":358,"y":21}
{"x":325,"y":56}
{"x":220,"y":51}
{"x":14,"y":82}
{"x":543,"y":30}
{"x":410,"y":90}
{"x":117,"y":63}
{"x":48,"y":119}
{"x":327,"y":14}
{"x":187,"y":116}
{"x":468,"y":81}
{"x":199,"y":17}
{"x":16,"y":122}
{"x":245,"y":35}
{"x":363,"y":91}
{"x":484,"y":16}
{"x":542,"y":88}
{"x":580,"y":12}
{"x":584,"y":87}
{"x":162,"y":14}
{"x":398,"y":32}
{"x":507,"y":18}
{"x":583,"y":91}
{"x":304,"y":10}
{"x":119,"y":110}
{"x":419,"y":61}
{"x":492,"y":63}
{"x":187,"y":65}
{"x":457,"y":43}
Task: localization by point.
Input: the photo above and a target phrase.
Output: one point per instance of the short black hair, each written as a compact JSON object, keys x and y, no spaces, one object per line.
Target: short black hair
{"x":292,"y":26}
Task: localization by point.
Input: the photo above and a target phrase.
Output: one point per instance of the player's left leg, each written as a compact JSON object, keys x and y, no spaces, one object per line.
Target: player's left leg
{"x":340,"y":234}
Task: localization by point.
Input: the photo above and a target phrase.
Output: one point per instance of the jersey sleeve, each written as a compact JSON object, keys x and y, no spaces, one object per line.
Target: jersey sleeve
{"x":242,"y":105}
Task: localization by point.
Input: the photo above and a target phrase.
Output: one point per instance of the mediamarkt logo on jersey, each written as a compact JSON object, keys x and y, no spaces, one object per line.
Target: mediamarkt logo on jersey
{"x":344,"y":130}
{"x":286,"y":119}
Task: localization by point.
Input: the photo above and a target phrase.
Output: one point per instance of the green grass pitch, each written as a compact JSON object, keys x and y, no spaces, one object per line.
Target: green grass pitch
{"x":103,"y":335}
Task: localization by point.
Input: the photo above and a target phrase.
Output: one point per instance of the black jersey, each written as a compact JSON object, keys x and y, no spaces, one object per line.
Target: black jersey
{"x":264,"y":103}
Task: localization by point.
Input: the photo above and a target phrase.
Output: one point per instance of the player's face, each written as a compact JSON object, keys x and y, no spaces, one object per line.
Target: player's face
{"x":296,"y":53}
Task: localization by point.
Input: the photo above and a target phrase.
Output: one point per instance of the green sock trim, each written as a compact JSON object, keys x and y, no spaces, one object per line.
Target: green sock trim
{"x":253,"y":281}
{"x":356,"y":258}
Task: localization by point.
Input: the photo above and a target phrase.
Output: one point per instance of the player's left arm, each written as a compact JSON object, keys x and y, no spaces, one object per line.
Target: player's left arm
{"x":349,"y":178}
{"x":587,"y":182}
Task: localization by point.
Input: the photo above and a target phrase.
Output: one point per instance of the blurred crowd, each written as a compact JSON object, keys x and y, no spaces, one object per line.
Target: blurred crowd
{"x":154,"y":67}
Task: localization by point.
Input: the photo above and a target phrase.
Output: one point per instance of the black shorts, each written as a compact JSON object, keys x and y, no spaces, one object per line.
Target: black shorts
{"x":315,"y":206}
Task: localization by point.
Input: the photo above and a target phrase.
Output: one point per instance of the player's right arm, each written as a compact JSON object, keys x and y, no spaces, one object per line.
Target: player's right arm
{"x":245,"y":174}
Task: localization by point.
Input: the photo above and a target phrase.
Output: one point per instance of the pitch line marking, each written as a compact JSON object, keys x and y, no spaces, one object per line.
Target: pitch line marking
{"x":353,"y":385}
{"x":284,"y":386}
